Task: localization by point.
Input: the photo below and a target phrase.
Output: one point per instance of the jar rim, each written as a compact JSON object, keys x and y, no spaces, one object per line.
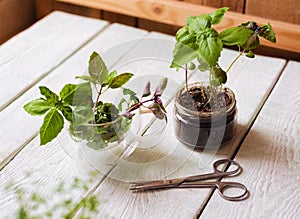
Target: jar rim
{"x":188,"y":111}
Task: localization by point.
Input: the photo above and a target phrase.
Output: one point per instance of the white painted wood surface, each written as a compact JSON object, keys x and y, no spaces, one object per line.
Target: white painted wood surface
{"x":168,"y":159}
{"x":270,"y":157}
{"x":32,"y":54}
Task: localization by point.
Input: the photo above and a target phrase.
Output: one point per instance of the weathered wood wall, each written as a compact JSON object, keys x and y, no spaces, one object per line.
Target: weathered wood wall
{"x":283,"y":10}
{"x":15,"y":16}
{"x":167,"y":15}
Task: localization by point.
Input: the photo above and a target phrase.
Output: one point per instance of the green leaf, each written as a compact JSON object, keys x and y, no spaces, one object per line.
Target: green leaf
{"x":97,"y":68}
{"x":250,"y":54}
{"x":132,"y":95}
{"x":182,"y":55}
{"x":190,"y":19}
{"x":127,"y":91}
{"x":110,"y":77}
{"x":83,"y":95}
{"x":67,"y":93}
{"x":37,"y":107}
{"x":109,"y":109}
{"x":52,"y":125}
{"x":220,"y":74}
{"x":191,"y":66}
{"x":183,"y":36}
{"x":120,"y":80}
{"x":120,"y":105}
{"x":86,"y":78}
{"x":97,"y":144}
{"x":267,"y":33}
{"x":67,"y":112}
{"x":216,"y":82}
{"x":210,"y":49}
{"x":203,"y":66}
{"x":235,"y":36}
{"x":218,"y":15}
{"x":83,"y":115}
{"x":200,"y":24}
{"x":252,"y":42}
{"x":51,"y":97}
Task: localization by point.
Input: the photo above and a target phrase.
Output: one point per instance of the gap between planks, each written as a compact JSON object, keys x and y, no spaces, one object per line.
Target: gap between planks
{"x":252,"y":121}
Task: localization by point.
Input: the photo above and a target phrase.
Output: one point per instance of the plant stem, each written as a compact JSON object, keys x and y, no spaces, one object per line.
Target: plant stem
{"x":186,"y":79}
{"x":99,"y":93}
{"x":234,"y":61}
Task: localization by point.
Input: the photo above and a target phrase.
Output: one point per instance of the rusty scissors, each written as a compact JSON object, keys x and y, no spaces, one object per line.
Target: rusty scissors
{"x":196,"y":181}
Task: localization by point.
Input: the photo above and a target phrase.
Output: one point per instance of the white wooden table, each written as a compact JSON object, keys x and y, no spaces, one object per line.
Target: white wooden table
{"x":56,"y":49}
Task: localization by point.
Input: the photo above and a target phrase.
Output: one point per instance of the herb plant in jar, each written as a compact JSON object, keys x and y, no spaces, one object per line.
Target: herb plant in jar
{"x":205,"y":113}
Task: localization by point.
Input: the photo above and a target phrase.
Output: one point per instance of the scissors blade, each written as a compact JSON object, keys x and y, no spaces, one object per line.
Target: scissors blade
{"x":157,"y":184}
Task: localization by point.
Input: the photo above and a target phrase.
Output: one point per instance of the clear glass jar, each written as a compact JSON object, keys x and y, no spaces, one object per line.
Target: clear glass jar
{"x":204,"y":129}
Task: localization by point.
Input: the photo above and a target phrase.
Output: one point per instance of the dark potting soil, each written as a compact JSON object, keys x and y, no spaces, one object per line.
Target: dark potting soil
{"x":202,"y":100}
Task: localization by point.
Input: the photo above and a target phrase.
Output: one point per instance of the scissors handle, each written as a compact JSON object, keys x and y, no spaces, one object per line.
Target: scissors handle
{"x":237,"y":170}
{"x":222,"y":187}
{"x":218,"y":172}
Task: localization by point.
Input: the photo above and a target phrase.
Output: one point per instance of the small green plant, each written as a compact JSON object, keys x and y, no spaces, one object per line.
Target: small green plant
{"x":96,"y":122}
{"x":36,"y":206}
{"x":198,"y":40}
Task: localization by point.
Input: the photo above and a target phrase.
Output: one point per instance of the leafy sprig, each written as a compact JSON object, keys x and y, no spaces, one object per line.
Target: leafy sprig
{"x":96,"y":122}
{"x":55,"y":107}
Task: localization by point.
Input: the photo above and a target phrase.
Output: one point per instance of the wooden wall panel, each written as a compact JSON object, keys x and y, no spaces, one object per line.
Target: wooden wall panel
{"x":43,"y":7}
{"x":283,"y":10}
{"x":118,"y":18}
{"x":166,"y":15}
{"x":76,"y":9}
{"x":234,"y":5}
{"x":156,"y":26}
{"x":15,"y":16}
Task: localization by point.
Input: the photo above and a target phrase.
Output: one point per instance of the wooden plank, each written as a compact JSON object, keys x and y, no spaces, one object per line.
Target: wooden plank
{"x":170,"y":158}
{"x":50,"y":164}
{"x":287,"y":10}
{"x":39,"y":44}
{"x":176,"y":14}
{"x":270,"y":158}
{"x":75,"y":9}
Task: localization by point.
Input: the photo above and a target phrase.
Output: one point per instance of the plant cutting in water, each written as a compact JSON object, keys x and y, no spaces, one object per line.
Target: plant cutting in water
{"x":96,"y":122}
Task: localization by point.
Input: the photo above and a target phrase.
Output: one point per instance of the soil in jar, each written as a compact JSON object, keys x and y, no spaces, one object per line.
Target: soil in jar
{"x":202,"y":99}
